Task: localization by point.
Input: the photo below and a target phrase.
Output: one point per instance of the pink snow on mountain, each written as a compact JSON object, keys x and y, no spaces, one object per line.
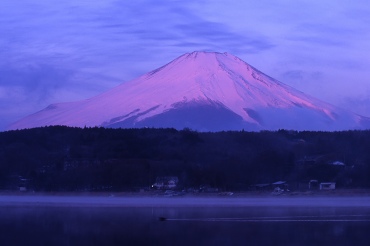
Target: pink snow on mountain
{"x":205,"y":91}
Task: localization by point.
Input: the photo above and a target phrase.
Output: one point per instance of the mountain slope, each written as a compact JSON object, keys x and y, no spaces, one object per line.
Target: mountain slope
{"x":205,"y":91}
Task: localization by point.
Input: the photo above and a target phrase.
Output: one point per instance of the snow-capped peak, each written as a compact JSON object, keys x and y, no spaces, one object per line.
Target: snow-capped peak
{"x":204,"y":91}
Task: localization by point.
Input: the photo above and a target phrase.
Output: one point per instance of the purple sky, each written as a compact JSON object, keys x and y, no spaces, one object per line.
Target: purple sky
{"x":56,"y":51}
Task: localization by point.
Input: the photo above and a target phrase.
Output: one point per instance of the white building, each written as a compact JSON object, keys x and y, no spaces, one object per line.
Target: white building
{"x":327,"y":186}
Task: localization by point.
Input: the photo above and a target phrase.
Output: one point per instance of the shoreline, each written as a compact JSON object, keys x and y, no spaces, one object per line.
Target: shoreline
{"x":131,"y":200}
{"x":161,"y":193}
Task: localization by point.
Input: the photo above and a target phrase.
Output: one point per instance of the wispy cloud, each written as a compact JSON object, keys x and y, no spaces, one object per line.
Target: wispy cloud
{"x":70,"y":50}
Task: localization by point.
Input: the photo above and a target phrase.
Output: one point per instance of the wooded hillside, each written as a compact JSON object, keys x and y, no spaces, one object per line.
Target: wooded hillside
{"x":70,"y":159}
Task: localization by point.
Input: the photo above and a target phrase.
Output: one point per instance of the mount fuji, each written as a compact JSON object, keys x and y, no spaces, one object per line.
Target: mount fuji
{"x":205,"y":91}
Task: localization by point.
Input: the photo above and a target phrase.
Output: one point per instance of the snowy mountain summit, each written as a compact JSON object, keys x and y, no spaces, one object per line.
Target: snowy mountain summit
{"x":204,"y":91}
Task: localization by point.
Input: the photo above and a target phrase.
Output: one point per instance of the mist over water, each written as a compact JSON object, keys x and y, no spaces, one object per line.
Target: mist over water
{"x":162,"y":201}
{"x":184,"y":222}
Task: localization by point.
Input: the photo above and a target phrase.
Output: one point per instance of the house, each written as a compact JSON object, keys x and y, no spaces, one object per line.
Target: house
{"x":23,"y":184}
{"x":280,"y":184}
{"x":337,"y":163}
{"x":313,"y":184}
{"x":22,"y":188}
{"x":165,"y":183}
{"x":327,"y":186}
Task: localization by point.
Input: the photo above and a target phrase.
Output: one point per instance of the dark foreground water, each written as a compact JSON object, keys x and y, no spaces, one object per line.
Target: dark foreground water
{"x":202,"y":224}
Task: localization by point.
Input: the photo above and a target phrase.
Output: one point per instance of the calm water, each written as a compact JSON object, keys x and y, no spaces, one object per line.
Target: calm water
{"x":201,"y":225}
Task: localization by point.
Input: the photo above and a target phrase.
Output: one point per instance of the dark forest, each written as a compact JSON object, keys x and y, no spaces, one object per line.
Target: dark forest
{"x":59,"y":158}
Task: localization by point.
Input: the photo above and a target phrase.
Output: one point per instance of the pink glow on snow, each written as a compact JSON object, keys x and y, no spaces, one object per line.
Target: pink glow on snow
{"x":197,"y":77}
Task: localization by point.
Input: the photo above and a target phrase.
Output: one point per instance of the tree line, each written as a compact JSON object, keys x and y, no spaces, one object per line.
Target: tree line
{"x":59,"y":158}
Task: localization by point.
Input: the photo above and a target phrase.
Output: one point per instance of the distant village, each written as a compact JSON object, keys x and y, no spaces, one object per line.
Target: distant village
{"x":276,"y":188}
{"x":172,"y":162}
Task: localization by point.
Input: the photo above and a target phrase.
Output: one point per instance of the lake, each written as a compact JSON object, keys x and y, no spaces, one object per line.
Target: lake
{"x":75,"y":220}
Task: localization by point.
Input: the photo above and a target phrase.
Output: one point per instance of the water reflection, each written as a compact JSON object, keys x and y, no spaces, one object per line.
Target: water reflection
{"x":184,"y":226}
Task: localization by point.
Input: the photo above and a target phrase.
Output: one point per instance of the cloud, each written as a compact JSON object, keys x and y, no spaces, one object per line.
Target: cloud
{"x":208,"y":33}
{"x":26,"y":89}
{"x":294,"y":74}
{"x":39,"y":80}
{"x":71,"y":50}
{"x":358,"y":104}
{"x":29,"y":88}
